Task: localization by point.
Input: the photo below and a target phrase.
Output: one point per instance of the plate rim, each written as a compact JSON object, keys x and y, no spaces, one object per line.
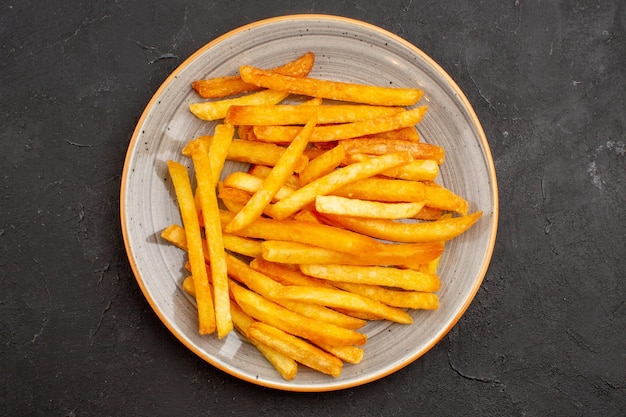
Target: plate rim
{"x":284,"y":385}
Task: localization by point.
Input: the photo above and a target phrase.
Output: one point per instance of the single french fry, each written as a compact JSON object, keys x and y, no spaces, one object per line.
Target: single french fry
{"x":273,"y":182}
{"x":331,"y":204}
{"x":213,"y":234}
{"x":322,"y":165}
{"x":266,"y":311}
{"x":435,"y":231}
{"x":298,"y":349}
{"x":381,"y":146}
{"x":335,"y":180}
{"x":193,"y":237}
{"x":255,"y":153}
{"x":389,"y":190}
{"x":343,"y":300}
{"x":219,"y":87}
{"x":375,"y":275}
{"x":299,"y":253}
{"x":214,"y":110}
{"x":286,"y":366}
{"x":312,"y":233}
{"x":218,"y":150}
{"x":397,"y":298}
{"x":242,"y":245}
{"x":357,"y":93}
{"x":349,"y":354}
{"x":343,"y":131}
{"x":286,"y":114}
{"x":418,"y":170}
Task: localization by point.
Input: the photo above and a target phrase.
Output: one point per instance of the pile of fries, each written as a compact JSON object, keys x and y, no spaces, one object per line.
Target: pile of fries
{"x":338,"y":220}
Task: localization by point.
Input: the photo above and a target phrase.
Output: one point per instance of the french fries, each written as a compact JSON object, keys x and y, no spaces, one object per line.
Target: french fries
{"x":338,"y":220}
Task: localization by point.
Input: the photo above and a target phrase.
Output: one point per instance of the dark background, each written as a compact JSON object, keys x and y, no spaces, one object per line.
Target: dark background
{"x":545,"y":335}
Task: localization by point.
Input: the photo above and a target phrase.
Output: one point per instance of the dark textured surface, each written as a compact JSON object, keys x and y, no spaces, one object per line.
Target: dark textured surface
{"x":546,"y":332}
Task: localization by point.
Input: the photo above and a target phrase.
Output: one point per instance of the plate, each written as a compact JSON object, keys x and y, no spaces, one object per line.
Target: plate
{"x":346,"y":50}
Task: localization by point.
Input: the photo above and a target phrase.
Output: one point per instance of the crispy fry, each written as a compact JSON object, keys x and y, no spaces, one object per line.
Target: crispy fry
{"x":299,"y":253}
{"x":213,"y":234}
{"x":273,"y":314}
{"x":331,"y":204}
{"x":381,"y":189}
{"x":281,"y":134}
{"x":357,"y":93}
{"x":214,"y":110}
{"x":204,"y":298}
{"x":296,"y":348}
{"x":436,"y":231}
{"x":342,"y":300}
{"x":375,"y":275}
{"x":242,"y":245}
{"x":396,"y":298}
{"x":349,"y":354}
{"x":220,"y":87}
{"x":381,"y":146}
{"x":273,"y":182}
{"x":322,"y":165}
{"x":404,"y":133}
{"x":286,"y":114}
{"x":335,"y":180}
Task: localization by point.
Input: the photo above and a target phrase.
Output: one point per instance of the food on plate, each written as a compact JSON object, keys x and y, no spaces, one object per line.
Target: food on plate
{"x":339,"y":219}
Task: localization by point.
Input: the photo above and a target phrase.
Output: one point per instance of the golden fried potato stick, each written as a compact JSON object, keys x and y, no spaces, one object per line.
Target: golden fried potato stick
{"x":407,"y":279}
{"x":322,"y":165}
{"x":286,"y":366}
{"x":344,"y":131}
{"x":332,"y":204}
{"x":242,"y":245}
{"x":381,"y":146}
{"x":298,"y":349}
{"x":253,"y":152}
{"x":276,"y":178}
{"x":300,"y":253}
{"x":287,"y":114}
{"x":266,"y":311}
{"x":312,"y":233}
{"x":213,"y":235}
{"x":193,"y":237}
{"x":335,"y":180}
{"x":389,"y":190}
{"x":349,"y":354}
{"x":220,"y":87}
{"x":435,"y":231}
{"x":342,"y":300}
{"x":418,"y":170}
{"x":218,"y":149}
{"x":215,"y":110}
{"x":357,"y":93}
{"x":396,"y":298}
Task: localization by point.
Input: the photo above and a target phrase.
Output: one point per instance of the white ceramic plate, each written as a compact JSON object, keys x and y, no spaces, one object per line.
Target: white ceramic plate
{"x":346,"y":50}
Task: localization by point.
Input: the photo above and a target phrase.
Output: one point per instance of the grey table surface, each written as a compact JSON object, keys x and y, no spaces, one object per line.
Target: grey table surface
{"x":545,"y":335}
